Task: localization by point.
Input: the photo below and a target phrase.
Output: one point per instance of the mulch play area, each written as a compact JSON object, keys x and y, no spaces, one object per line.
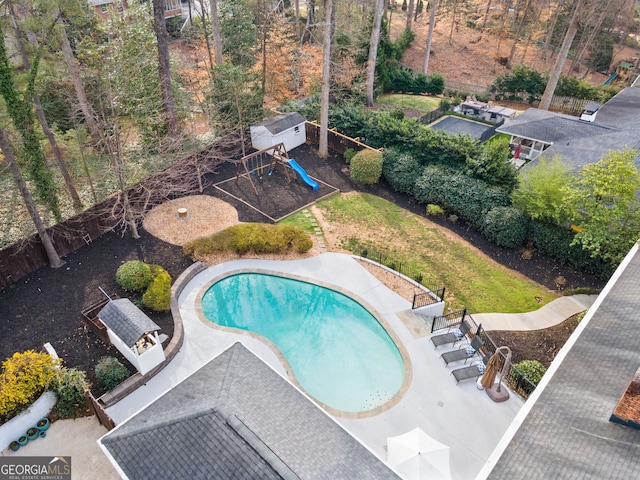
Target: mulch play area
{"x":46,"y":305}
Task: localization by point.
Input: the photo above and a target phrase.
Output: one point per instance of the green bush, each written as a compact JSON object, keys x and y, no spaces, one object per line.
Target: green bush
{"x":69,"y":387}
{"x":134,"y":276}
{"x":110,"y":372}
{"x":469,"y":198}
{"x":401,"y":170}
{"x":433,"y":210}
{"x":366,"y":166}
{"x":348,"y":155}
{"x":533,"y":370}
{"x":506,"y":226}
{"x":251,"y":237}
{"x":24,"y":376}
{"x":158,"y":296}
{"x":558,"y":242}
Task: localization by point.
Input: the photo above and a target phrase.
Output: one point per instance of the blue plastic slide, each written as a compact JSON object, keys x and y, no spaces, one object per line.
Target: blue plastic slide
{"x":611,"y":79}
{"x":303,"y":175}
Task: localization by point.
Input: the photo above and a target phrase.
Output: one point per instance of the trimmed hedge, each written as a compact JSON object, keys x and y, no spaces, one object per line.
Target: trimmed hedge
{"x":401,"y":170}
{"x":251,"y":237}
{"x":69,"y":386}
{"x":134,"y":276}
{"x":158,"y":296}
{"x":366,"y":166}
{"x":467,"y":197}
{"x":506,"y":226}
{"x":557,"y":242}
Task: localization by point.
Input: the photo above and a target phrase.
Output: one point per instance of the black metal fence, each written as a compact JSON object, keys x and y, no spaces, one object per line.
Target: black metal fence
{"x":432,"y":116}
{"x":407,"y":270}
{"x":487,"y":134}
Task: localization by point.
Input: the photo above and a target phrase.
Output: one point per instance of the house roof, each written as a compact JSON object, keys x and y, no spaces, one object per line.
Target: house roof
{"x":500,"y":110}
{"x":550,"y":128}
{"x":580,"y":143}
{"x":215,"y":425}
{"x":126,"y":320}
{"x":567,"y":432}
{"x":282,"y":122}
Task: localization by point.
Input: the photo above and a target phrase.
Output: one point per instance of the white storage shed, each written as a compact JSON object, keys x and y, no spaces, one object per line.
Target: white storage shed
{"x":287,"y":128}
{"x":133,"y":333}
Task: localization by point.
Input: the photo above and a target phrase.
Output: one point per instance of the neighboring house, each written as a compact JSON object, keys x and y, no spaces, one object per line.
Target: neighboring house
{"x":172,"y":8}
{"x":613,"y":126}
{"x":498,"y":114}
{"x":236,"y":417}
{"x":287,"y":128}
{"x":582,"y":420}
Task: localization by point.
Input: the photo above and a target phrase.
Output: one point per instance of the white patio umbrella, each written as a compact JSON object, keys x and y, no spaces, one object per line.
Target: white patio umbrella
{"x":415,"y":455}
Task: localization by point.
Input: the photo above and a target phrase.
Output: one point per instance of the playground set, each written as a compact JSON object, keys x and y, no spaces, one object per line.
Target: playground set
{"x":267,"y":160}
{"x":267,"y":181}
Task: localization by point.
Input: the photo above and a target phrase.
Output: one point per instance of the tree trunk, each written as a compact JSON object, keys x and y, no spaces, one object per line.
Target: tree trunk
{"x":432,"y":26}
{"x":552,"y":27}
{"x":410,"y":8}
{"x":311,"y":21}
{"x":373,"y":50}
{"x":486,"y":15}
{"x":205,"y":32}
{"x":453,"y":20}
{"x":545,"y":102}
{"x":78,"y":85}
{"x":518,"y":33}
{"x":215,"y":26}
{"x":592,"y":36}
{"x":77,"y":204}
{"x":323,"y":147}
{"x":164,"y":70}
{"x":52,"y":255}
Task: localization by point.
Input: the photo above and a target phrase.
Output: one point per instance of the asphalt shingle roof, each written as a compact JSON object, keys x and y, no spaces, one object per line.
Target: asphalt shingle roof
{"x":126,"y":320}
{"x":282,"y":122}
{"x":229,"y":411}
{"x":567,"y":433}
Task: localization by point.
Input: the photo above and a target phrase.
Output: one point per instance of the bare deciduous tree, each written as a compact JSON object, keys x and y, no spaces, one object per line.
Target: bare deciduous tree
{"x":323,"y":147}
{"x":373,"y":50}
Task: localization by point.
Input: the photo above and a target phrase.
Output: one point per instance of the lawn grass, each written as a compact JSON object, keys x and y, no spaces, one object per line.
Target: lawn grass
{"x":416,"y":102}
{"x":472,"y":280}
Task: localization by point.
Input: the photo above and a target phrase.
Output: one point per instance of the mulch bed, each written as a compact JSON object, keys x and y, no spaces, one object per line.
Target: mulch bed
{"x":45,"y":306}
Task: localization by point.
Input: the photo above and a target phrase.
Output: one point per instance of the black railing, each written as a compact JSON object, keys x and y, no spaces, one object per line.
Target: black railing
{"x":448,"y":320}
{"x":487,"y":134}
{"x":407,"y":270}
{"x":427,"y":298}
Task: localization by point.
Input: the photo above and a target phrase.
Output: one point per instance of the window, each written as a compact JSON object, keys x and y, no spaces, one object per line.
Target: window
{"x":296,"y":130}
{"x":103,"y":8}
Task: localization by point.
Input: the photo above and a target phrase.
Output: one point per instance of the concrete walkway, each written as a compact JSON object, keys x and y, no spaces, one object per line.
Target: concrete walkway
{"x":551,"y":314}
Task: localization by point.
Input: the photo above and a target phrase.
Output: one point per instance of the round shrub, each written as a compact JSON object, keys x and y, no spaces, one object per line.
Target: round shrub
{"x":134,"y":275}
{"x":533,"y":370}
{"x":506,"y":226}
{"x":110,"y":372}
{"x":69,"y":387}
{"x":24,"y":376}
{"x":434,"y":210}
{"x":158,"y":296}
{"x":366,"y":166}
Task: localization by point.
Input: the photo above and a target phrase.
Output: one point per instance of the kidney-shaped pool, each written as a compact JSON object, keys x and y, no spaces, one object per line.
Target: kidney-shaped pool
{"x":338,"y":351}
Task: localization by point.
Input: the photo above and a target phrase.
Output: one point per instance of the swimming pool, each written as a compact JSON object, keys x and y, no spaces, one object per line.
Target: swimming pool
{"x":338,"y":351}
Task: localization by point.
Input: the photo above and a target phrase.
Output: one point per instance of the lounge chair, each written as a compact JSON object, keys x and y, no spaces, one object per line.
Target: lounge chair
{"x":463,"y":353}
{"x":472,"y":371}
{"x":453,"y":336}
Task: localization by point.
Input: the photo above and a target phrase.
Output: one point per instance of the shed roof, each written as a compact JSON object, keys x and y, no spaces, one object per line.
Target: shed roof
{"x":126,"y":320}
{"x":567,"y":432}
{"x":215,"y":422}
{"x":282,"y":122}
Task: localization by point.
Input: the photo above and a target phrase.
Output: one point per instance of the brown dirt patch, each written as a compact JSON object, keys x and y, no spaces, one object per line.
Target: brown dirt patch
{"x":205,"y":215}
{"x":542,"y":345}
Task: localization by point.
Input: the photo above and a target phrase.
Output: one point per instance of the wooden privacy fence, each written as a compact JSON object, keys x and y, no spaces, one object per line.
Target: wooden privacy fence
{"x":28,"y":255}
{"x":337,"y":142}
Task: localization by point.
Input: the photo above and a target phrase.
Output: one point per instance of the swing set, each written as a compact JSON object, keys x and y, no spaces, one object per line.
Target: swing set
{"x":263,"y":160}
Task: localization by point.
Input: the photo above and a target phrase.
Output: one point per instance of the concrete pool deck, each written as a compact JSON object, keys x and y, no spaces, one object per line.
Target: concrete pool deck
{"x":460,"y":416}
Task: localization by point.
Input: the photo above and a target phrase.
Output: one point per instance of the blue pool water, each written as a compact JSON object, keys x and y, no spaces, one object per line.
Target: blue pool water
{"x":338,"y":351}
